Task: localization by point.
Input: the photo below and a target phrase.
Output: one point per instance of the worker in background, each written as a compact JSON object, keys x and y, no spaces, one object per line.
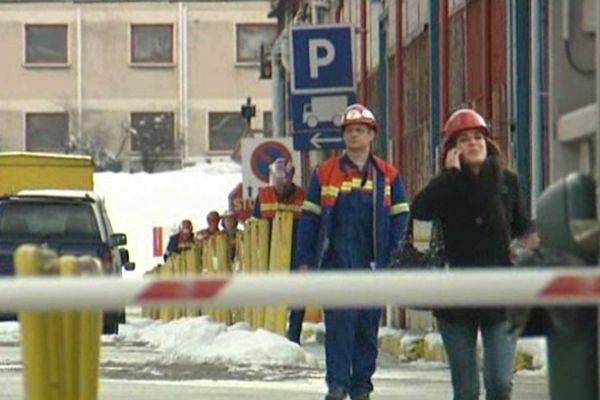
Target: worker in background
{"x":212,"y":219}
{"x":283,"y":194}
{"x":183,"y":239}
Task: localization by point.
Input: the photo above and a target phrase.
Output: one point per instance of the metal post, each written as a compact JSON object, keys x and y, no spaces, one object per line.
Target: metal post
{"x":537,"y":131}
{"x":445,"y":64}
{"x":399,"y":90}
{"x":434,"y":78}
{"x":383,"y":88}
{"x":522,"y":96}
{"x":364,"y":73}
{"x":596,"y":155}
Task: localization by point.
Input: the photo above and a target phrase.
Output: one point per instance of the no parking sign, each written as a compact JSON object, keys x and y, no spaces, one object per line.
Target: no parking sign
{"x":257,"y":155}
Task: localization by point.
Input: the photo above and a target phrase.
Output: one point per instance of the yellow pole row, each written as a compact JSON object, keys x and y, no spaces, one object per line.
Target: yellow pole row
{"x":263,"y":246}
{"x":61,"y":350}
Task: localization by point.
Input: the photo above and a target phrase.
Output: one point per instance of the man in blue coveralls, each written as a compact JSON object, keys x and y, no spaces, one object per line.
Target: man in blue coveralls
{"x":354,"y":215}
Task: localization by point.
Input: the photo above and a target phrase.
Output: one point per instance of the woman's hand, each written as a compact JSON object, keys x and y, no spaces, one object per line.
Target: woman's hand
{"x":453,"y":159}
{"x":521,"y":247}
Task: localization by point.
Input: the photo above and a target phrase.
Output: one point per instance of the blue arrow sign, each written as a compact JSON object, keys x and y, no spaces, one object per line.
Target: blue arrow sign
{"x":318,"y":140}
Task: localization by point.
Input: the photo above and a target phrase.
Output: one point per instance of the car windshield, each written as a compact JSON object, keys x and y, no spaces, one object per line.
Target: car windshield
{"x":65,"y":221}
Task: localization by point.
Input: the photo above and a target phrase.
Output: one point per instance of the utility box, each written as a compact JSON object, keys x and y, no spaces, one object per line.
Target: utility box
{"x":19,"y":171}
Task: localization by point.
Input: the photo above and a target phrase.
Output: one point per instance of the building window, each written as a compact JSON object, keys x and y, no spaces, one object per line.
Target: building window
{"x":225,"y":130}
{"x":268,"y":124}
{"x":46,"y":44}
{"x":249,"y":39}
{"x":153,"y":132}
{"x":46,"y":132}
{"x":152,"y":44}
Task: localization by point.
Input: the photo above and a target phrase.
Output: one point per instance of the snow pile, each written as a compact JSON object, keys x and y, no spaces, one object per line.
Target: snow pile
{"x":200,"y":340}
{"x":534,"y":347}
{"x":10,"y":332}
{"x":138,"y":202}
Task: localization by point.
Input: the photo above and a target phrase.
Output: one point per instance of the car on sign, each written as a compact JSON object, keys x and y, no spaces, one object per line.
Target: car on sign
{"x":70,"y":222}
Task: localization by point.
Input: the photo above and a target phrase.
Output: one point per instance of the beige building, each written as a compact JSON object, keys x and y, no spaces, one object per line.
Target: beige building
{"x":155,"y":79}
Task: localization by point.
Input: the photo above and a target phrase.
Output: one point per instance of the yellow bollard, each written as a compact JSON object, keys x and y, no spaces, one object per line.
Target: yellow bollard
{"x":192,"y":268}
{"x":36,"y":364}
{"x":224,"y":259}
{"x":69,"y":266}
{"x":281,"y":259}
{"x":260,"y":253}
{"x":246,"y":263}
{"x":89,"y":341}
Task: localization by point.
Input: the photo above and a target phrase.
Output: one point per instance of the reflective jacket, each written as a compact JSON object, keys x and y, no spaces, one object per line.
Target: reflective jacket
{"x":333,"y":194}
{"x":269,"y":202}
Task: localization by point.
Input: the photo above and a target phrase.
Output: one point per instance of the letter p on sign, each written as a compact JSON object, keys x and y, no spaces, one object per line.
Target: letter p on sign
{"x":318,"y":58}
{"x":322,"y":59}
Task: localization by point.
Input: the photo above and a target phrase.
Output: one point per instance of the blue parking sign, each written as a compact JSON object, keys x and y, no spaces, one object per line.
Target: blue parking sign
{"x":322,"y":59}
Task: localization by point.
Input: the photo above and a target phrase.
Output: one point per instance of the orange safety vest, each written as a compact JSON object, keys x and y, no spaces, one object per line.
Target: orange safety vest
{"x":270,"y":202}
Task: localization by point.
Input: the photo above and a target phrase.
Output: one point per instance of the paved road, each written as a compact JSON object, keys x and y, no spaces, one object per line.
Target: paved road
{"x":130,"y":373}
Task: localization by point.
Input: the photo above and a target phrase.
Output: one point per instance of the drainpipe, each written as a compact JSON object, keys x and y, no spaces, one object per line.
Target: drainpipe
{"x":522,"y":40}
{"x":399,"y":92}
{"x":338,"y":11}
{"x":445,"y":67}
{"x":277,"y":87}
{"x":364,"y":79}
{"x":183,"y":81}
{"x":487,"y":59}
{"x":434,"y":81}
{"x":537,"y":73}
{"x":79,"y":75}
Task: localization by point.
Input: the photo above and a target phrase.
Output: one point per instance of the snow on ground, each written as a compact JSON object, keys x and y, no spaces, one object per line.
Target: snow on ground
{"x":200,"y":340}
{"x":10,"y":332}
{"x":138,"y":202}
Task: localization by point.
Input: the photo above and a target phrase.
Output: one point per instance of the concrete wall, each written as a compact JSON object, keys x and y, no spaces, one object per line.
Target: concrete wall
{"x":112,"y":87}
{"x":570,"y":90}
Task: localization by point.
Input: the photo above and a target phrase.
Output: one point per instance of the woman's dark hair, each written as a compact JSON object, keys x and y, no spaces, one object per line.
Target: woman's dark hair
{"x":494,"y":154}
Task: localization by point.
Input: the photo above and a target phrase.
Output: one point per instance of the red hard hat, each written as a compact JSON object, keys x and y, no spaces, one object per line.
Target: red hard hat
{"x":359,"y":114}
{"x":463,"y":120}
{"x":213,"y":216}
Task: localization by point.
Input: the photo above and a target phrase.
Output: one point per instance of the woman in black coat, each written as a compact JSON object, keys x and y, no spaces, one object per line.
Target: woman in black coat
{"x":479,"y":206}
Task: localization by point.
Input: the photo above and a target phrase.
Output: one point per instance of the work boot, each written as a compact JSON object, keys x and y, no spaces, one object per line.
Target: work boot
{"x":335,"y":394}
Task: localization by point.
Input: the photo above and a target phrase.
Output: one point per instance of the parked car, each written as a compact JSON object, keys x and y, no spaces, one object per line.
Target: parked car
{"x":72,"y":222}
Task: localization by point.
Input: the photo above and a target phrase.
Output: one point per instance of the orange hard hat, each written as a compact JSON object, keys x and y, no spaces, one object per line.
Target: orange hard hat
{"x":359,"y":114}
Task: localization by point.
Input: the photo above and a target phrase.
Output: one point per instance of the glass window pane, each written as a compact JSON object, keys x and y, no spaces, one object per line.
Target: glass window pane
{"x":46,"y":44}
{"x":48,"y":220}
{"x":250,"y":37}
{"x":225,"y":130}
{"x":47,"y":132}
{"x":152,"y":43}
{"x":155,"y":132}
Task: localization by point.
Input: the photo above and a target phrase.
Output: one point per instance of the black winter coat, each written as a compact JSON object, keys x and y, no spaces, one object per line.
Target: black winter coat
{"x":479,"y":215}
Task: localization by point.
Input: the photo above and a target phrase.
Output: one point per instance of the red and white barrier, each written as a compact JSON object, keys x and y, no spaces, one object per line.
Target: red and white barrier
{"x":412,"y":288}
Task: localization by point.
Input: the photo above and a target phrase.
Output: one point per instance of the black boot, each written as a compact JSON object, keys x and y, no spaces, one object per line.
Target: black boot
{"x":335,"y":394}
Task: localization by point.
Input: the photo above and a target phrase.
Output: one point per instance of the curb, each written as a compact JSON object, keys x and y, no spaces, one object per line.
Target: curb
{"x":413,"y":346}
